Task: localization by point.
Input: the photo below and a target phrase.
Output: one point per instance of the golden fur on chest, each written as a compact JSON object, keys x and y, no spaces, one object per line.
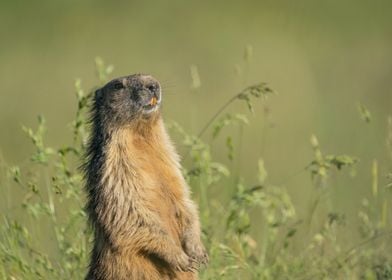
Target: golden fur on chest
{"x":144,"y":166}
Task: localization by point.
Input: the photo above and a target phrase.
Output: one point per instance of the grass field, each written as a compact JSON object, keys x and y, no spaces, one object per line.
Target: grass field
{"x":252,"y":231}
{"x":281,"y":112}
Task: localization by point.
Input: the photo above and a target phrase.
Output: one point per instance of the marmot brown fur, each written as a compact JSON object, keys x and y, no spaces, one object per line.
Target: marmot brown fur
{"x":145,"y":225}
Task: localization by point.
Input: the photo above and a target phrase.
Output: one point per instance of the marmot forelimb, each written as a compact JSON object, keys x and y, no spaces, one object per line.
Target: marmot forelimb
{"x":145,"y":225}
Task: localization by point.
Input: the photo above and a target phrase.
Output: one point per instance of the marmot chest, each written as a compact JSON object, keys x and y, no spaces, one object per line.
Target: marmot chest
{"x":164,"y":188}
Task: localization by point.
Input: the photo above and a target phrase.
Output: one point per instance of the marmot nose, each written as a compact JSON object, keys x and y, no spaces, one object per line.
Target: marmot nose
{"x":154,"y":89}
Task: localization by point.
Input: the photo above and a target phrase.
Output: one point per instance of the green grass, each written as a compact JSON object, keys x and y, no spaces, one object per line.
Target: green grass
{"x":252,"y":230}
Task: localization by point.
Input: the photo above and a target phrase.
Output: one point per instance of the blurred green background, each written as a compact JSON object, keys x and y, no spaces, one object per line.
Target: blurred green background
{"x":323,"y":57}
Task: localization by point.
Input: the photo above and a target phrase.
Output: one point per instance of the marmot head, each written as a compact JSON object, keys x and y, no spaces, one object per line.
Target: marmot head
{"x":128,"y":99}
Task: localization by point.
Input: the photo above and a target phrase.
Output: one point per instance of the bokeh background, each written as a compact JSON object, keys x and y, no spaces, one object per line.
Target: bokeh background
{"x":322,"y":57}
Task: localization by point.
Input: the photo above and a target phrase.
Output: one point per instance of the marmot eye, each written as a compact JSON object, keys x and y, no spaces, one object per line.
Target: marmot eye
{"x":118,"y":86}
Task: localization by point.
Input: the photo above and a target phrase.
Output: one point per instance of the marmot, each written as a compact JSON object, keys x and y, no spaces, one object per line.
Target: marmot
{"x":145,"y":224}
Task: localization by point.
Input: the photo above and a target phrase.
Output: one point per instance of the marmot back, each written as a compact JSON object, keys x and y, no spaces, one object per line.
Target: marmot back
{"x":145,"y":225}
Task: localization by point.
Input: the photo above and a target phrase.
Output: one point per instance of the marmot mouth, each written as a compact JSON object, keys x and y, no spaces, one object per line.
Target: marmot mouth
{"x":152,"y":106}
{"x":149,"y":107}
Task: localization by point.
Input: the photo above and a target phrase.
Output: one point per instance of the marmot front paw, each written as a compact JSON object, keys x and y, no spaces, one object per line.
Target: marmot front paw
{"x":185,"y":263}
{"x":197,"y":252}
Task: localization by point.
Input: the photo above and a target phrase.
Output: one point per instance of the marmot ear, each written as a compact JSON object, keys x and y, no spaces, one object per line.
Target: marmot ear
{"x":98,"y":94}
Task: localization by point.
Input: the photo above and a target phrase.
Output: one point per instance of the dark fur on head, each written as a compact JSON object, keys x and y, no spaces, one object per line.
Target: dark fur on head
{"x":125,"y":100}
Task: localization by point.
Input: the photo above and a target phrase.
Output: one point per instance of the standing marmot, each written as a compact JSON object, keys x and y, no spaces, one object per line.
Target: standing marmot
{"x":145,"y":225}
